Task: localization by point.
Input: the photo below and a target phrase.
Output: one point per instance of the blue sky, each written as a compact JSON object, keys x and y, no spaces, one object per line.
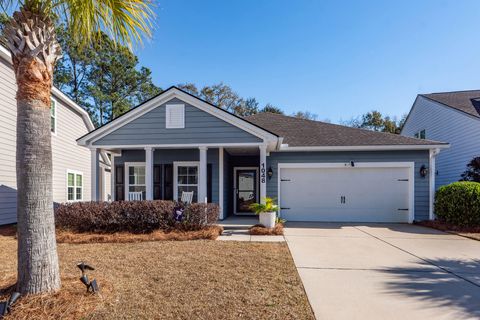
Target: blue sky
{"x":337,"y":59}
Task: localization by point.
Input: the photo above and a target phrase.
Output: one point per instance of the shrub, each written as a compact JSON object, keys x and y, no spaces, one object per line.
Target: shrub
{"x":133,"y":216}
{"x":459,"y":204}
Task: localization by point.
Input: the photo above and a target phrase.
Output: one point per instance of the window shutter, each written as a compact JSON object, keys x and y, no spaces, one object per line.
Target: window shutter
{"x":175,"y":116}
{"x":209,"y":182}
{"x":119,"y":183}
{"x":168,"y":182}
{"x":157,"y":182}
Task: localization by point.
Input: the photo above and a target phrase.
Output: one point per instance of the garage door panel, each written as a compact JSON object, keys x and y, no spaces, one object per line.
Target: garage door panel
{"x":344,"y":194}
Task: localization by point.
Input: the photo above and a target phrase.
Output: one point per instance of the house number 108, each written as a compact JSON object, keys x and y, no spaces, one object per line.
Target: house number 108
{"x":262,"y":173}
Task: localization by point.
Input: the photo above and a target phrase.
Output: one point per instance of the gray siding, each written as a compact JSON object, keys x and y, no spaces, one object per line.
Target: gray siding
{"x":200,"y":127}
{"x":65,"y":151}
{"x":168,"y":156}
{"x":419,"y":157}
{"x":444,"y":124}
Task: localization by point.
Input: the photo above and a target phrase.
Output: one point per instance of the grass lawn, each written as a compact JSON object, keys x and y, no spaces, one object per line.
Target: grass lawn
{"x":172,"y":280}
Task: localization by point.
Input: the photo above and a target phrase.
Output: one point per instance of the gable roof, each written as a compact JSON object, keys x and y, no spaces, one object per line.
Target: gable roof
{"x":308,"y":133}
{"x":165,"y":96}
{"x":464,"y":101}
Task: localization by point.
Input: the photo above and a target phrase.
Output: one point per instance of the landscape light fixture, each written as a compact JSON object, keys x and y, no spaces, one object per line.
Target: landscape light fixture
{"x":91,"y":285}
{"x":352,"y":163}
{"x":270,"y":173}
{"x":6,"y":306}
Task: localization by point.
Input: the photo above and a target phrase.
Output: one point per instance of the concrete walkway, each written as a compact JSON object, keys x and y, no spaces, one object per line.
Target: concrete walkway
{"x":386,"y":271}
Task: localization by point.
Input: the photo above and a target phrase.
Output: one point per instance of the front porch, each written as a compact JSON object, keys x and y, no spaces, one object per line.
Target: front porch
{"x":232,"y":176}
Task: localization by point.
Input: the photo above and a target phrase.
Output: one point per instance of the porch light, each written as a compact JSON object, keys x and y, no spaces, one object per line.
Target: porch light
{"x":423,"y":171}
{"x":270,"y":173}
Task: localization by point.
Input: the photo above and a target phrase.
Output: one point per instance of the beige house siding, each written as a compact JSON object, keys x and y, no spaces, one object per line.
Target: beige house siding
{"x":66,"y":153}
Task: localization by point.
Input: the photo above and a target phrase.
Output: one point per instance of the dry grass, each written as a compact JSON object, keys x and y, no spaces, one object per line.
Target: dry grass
{"x":65,"y":236}
{"x":171,"y":280}
{"x":472,"y":232}
{"x":260,"y":230}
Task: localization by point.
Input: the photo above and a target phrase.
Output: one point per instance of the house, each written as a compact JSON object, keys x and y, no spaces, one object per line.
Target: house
{"x":71,"y":162}
{"x":452,"y":117}
{"x":176,"y":142}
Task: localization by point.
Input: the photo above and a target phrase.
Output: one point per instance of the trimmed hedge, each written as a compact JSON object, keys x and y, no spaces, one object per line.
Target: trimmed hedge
{"x":134,"y":216}
{"x":459,"y":204}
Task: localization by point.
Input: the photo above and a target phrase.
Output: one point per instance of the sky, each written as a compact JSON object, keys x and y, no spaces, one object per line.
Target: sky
{"x":337,"y":59}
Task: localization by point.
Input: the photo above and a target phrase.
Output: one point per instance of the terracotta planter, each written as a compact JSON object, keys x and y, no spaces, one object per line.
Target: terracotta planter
{"x":267,"y":219}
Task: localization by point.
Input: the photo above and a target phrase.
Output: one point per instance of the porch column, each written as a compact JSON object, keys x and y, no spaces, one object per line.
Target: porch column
{"x":202,"y":175}
{"x":220,"y":181}
{"x":432,"y":172}
{"x":95,"y":171}
{"x":149,"y":172}
{"x":263,"y":173}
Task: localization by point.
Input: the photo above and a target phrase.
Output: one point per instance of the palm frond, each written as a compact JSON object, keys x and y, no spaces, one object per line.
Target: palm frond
{"x":125,"y":21}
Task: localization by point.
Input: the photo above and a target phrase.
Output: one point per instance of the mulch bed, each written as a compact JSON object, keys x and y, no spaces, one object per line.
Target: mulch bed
{"x":260,"y":230}
{"x":468,"y":232}
{"x":167,"y":280}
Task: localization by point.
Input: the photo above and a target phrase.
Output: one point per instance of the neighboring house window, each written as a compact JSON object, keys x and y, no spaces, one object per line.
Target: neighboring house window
{"x":74,"y":186}
{"x":175,"y":116}
{"x":136,"y":178}
{"x":53,"y":116}
{"x":186,"y":179}
{"x":420,"y":134}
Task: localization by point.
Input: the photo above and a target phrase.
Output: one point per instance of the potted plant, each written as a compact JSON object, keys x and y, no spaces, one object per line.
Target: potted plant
{"x":266,"y":211}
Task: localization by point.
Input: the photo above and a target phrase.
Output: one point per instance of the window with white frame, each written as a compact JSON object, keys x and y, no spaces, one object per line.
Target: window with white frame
{"x":53,"y":115}
{"x":136,"y":179}
{"x":175,"y":116}
{"x":420,"y":134}
{"x":186,"y":179}
{"x":74,"y":185}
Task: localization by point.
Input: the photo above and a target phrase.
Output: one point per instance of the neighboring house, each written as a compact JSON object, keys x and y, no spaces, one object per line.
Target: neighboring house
{"x":71,"y":162}
{"x":318,"y":171}
{"x":448,"y":116}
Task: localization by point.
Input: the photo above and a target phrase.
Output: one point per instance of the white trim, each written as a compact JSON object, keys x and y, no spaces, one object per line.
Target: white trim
{"x":409,"y":165}
{"x":177,"y":164}
{"x":167,"y":96}
{"x":149,"y":159}
{"x":126,"y":177}
{"x":220,"y":182}
{"x":257,"y":187}
{"x":181,"y":145}
{"x":54,"y":132}
{"x":432,"y":172}
{"x":169,"y":108}
{"x":75,"y":173}
{"x":95,"y":168}
{"x":286,"y":148}
{"x":202,"y":176}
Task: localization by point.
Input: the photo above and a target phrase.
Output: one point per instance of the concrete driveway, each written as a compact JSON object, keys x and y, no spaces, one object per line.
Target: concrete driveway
{"x":386,"y":271}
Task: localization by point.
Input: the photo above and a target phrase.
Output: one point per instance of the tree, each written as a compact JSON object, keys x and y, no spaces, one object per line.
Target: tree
{"x":114,"y":84}
{"x":31,"y":39}
{"x":473,"y":171}
{"x":375,"y":121}
{"x":307,"y":115}
{"x":246,"y":107}
{"x":272,"y":109}
{"x":190,"y":88}
{"x":220,"y":95}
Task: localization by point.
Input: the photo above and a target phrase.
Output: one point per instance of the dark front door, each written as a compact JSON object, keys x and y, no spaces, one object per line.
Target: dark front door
{"x":246,"y":189}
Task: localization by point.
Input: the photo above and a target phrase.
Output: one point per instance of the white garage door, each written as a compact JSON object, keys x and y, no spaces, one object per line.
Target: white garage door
{"x":352,"y":194}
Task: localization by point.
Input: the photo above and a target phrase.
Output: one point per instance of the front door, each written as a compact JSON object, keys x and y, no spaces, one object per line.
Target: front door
{"x":246,"y":189}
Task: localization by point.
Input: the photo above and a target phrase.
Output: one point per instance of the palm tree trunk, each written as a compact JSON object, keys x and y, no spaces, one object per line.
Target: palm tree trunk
{"x":31,"y":39}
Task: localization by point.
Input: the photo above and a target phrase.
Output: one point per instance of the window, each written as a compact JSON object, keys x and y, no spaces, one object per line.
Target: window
{"x":74,"y":186}
{"x":175,"y":116}
{"x":53,"y":116}
{"x":136,"y":179}
{"x":186,"y":179}
{"x":420,"y":134}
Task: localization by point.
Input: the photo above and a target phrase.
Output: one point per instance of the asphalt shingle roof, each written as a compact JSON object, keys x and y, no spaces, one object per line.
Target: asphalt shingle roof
{"x":300,"y":132}
{"x":461,"y":100}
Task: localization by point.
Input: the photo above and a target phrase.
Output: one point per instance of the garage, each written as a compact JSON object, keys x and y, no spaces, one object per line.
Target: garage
{"x":346,"y":192}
